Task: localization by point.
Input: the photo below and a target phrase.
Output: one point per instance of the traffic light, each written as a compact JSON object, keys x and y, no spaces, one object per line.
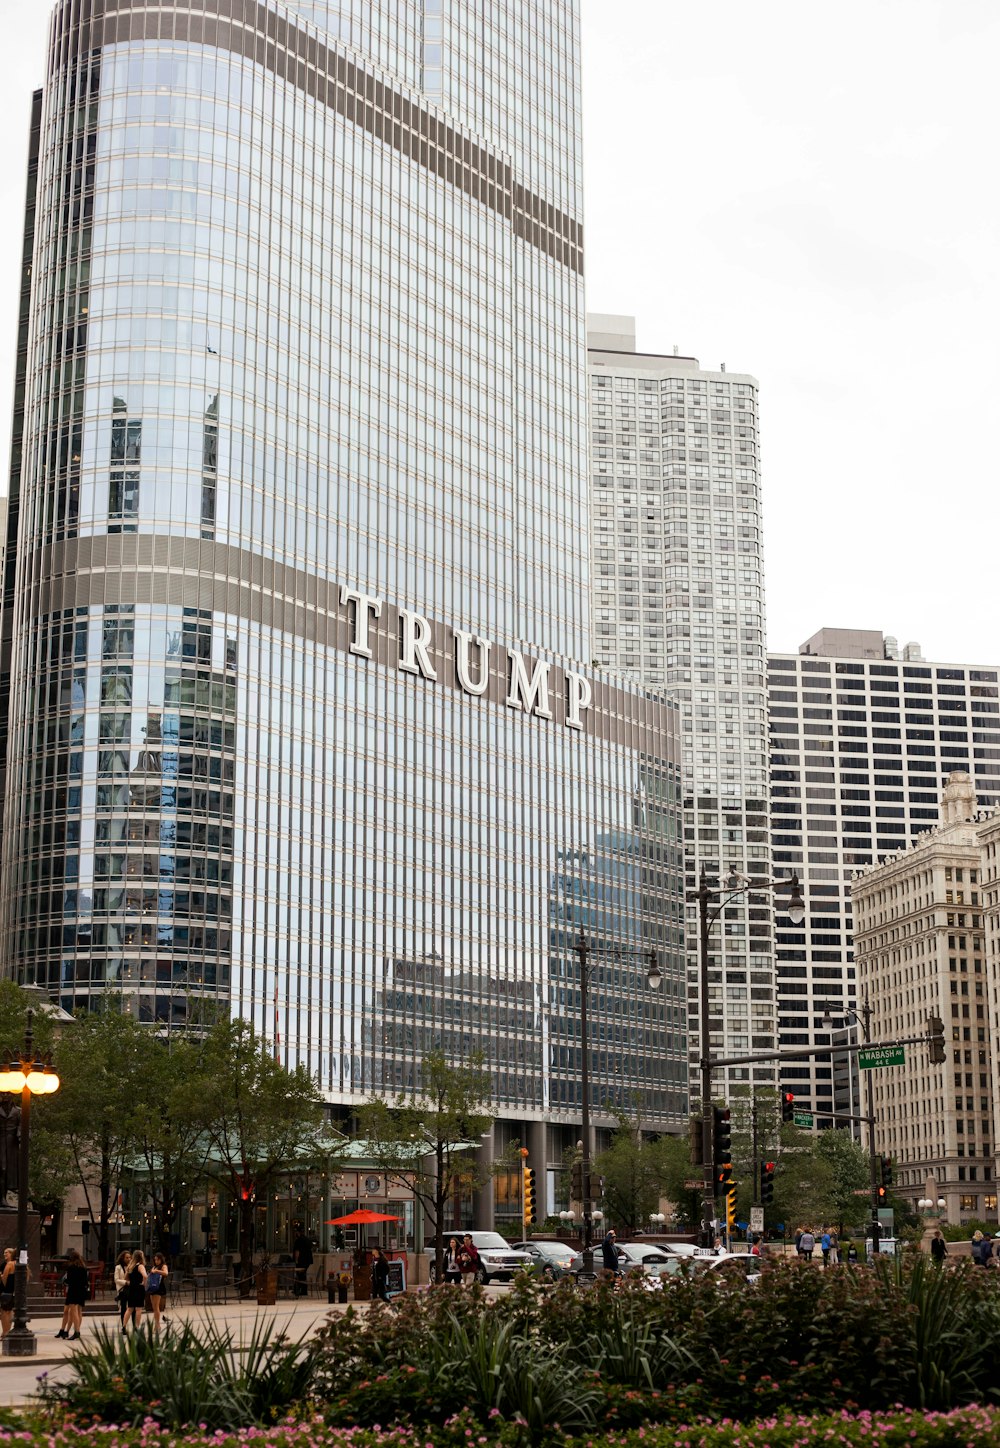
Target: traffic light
{"x":695,"y":1140}
{"x":722,"y":1136}
{"x":935,"y":1040}
{"x":787,"y":1105}
{"x":882,"y":1196}
{"x":886,"y":1168}
{"x":576,"y":1181}
{"x":731,"y":1209}
{"x":528,"y":1189}
{"x":723,"y":1178}
{"x":766,"y":1183}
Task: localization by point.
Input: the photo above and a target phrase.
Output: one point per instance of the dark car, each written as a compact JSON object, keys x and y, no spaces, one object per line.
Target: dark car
{"x":550,"y":1260}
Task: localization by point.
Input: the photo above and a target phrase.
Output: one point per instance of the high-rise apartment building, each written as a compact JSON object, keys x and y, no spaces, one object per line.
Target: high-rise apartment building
{"x":678,"y":591}
{"x":862,"y":743}
{"x":302,"y":712}
{"x":920,"y":951}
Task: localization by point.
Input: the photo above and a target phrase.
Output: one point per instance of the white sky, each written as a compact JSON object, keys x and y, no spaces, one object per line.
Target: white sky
{"x":809,"y":193}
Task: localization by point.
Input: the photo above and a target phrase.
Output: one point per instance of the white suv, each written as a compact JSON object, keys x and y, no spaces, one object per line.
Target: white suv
{"x":497,"y":1261}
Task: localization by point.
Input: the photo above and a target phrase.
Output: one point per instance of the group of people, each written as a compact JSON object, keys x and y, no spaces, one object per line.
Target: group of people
{"x":983,"y":1248}
{"x":140,"y":1288}
{"x":827,"y":1240}
{"x":461,"y":1259}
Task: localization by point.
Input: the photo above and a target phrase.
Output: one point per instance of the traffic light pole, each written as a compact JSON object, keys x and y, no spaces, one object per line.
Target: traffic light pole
{"x":707,"y":1149}
{"x":587,"y":1205}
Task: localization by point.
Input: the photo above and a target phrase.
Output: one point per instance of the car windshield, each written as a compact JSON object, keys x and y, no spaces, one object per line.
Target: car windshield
{"x":490,"y":1242}
{"x":556,"y":1249}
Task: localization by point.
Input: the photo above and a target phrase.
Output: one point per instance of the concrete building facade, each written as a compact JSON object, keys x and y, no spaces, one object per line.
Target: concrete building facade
{"x":862,"y":741}
{"x":678,"y":602}
{"x":920,"y":950}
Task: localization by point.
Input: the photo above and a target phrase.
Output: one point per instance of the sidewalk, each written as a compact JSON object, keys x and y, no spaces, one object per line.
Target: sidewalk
{"x":295,"y":1317}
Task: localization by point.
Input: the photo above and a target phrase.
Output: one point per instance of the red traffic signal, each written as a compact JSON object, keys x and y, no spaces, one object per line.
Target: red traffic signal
{"x":767,"y":1182}
{"x":788,"y":1106}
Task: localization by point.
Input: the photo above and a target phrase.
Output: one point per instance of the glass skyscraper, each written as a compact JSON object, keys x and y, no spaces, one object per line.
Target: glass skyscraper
{"x":298,"y":555}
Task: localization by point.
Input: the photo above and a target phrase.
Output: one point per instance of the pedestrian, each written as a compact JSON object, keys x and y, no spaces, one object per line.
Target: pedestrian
{"x":77,"y":1280}
{"x":609,"y":1252}
{"x":807,"y":1242}
{"x":7,"y":1289}
{"x":302,"y":1254}
{"x":834,"y":1247}
{"x":380,"y":1274}
{"x":939,"y":1250}
{"x":156,"y":1288}
{"x":798,"y":1241}
{"x":470,"y":1259}
{"x":121,"y":1284}
{"x":135,"y":1298}
{"x":982,"y":1248}
{"x":824,"y":1244}
{"x":755,"y":1245}
{"x":852,"y":1255}
{"x":452,"y":1262}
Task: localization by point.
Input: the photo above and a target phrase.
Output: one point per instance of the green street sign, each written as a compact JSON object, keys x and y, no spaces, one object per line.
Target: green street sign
{"x":870,"y":1057}
{"x":802,"y":1118}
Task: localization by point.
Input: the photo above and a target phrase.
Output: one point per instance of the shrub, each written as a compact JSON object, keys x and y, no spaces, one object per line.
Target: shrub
{"x":184,"y":1376}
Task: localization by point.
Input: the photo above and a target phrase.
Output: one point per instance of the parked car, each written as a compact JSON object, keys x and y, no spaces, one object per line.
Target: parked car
{"x":738,"y":1266}
{"x":645,"y":1257}
{"x":498,"y":1261}
{"x":551,"y":1260}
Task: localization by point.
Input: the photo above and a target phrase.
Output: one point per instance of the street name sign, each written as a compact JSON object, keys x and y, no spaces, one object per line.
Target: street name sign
{"x":802,"y":1118}
{"x":871,"y":1057}
{"x":693,"y":1184}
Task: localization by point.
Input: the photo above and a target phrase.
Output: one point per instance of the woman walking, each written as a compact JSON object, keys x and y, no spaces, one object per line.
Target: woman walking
{"x":453,"y":1262}
{"x":121,"y":1285}
{"x":77,"y":1294}
{"x":7,"y":1289}
{"x":156,"y":1288}
{"x":135,"y":1275}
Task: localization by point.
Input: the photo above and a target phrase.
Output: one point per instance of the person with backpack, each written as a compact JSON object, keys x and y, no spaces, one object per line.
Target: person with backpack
{"x":982,"y":1249}
{"x":156,"y":1288}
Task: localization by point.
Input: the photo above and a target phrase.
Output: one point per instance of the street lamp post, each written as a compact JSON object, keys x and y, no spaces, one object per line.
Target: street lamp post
{"x":24,"y":1077}
{"x":863,"y":1020}
{"x":734,"y":886}
{"x":653,"y":980}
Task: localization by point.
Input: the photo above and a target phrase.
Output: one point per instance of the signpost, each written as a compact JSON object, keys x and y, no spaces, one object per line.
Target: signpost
{"x":871,"y":1057}
{"x":756,"y":1219}
{"x":802,"y":1118}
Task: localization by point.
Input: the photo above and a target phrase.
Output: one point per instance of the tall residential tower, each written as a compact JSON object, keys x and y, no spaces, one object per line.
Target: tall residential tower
{"x":302,"y":713}
{"x":678,"y":590}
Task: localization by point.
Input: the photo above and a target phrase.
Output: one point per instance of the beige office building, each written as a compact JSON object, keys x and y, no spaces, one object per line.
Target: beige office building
{"x":920,"y":950}
{"x":989,"y":882}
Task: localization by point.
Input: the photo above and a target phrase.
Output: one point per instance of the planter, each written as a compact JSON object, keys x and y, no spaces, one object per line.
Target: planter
{"x":267,"y":1286}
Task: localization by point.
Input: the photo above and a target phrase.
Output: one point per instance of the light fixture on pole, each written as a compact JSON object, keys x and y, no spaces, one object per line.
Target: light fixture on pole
{"x":25,"y":1077}
{"x":654,"y":979}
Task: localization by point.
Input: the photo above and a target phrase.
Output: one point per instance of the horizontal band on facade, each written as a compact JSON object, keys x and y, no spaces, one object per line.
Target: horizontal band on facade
{"x":251,"y":30}
{"x":220,"y":578}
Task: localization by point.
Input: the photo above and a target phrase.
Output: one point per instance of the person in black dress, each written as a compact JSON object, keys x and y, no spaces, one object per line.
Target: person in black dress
{"x":77,"y":1294}
{"x":135,"y":1299}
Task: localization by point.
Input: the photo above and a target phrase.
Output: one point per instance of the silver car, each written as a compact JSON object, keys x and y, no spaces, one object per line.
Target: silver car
{"x":647,"y":1258}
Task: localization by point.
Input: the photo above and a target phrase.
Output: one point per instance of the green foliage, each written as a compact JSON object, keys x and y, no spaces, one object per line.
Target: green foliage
{"x":183,"y":1377}
{"x":427,"y":1139}
{"x":257,"y":1118}
{"x":851,"y":1173}
{"x":635,"y":1171}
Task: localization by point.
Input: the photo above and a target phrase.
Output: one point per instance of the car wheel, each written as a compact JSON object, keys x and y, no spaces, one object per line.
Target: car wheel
{"x":482,"y":1276}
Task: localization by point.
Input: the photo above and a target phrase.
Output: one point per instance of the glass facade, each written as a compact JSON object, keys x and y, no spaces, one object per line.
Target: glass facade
{"x":300,"y":558}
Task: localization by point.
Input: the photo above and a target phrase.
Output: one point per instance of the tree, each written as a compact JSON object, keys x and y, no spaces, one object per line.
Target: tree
{"x":259,"y":1121}
{"x":804,"y":1184}
{"x":170,"y":1132}
{"x":678,"y":1170}
{"x":851,"y":1175}
{"x":427,"y":1141}
{"x":635,"y":1172}
{"x":103,"y":1065}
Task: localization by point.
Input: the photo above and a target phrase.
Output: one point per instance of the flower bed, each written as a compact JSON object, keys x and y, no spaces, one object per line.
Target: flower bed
{"x":972,"y":1427}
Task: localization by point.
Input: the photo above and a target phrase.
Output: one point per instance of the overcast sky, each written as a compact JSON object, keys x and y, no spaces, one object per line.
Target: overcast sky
{"x":808,"y":193}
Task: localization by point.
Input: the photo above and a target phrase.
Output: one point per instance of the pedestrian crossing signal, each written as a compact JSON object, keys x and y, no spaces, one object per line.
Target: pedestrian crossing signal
{"x":528,"y":1194}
